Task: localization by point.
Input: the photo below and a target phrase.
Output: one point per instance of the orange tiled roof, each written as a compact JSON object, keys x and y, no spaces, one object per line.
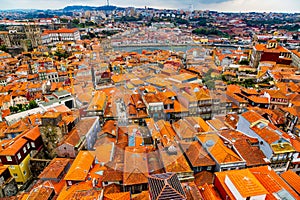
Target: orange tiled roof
{"x":55,"y":168}
{"x":252,"y":154}
{"x":250,"y":91}
{"x":208,"y":191}
{"x":117,"y":196}
{"x":72,"y":138}
{"x":144,"y":195}
{"x":234,"y":88}
{"x":98,"y":101}
{"x":292,"y":179}
{"x":271,"y":181}
{"x":80,"y":167}
{"x":151,"y":98}
{"x":257,"y":99}
{"x":203,"y":177}
{"x":60,"y":108}
{"x":80,"y":191}
{"x":218,"y":150}
{"x":166,"y":131}
{"x":196,"y":154}
{"x":112,"y":175}
{"x":217,"y":124}
{"x":297,"y":53}
{"x":51,"y":114}
{"x":252,"y":116}
{"x":62,"y":30}
{"x":269,"y":135}
{"x":12,"y":149}
{"x":198,"y":122}
{"x":135,"y":166}
{"x":176,"y":163}
{"x":184,"y":129}
{"x":42,"y":192}
{"x":276,"y":94}
{"x":244,"y":181}
{"x":33,"y":133}
{"x":103,"y":153}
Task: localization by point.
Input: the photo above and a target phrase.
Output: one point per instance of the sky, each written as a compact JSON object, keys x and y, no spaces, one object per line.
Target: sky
{"x":218,"y":5}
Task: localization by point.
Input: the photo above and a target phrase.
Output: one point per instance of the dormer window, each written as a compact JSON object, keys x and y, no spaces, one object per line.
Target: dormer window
{"x":272,"y":44}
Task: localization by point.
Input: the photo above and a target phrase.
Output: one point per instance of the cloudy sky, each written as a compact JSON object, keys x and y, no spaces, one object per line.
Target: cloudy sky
{"x":219,"y":5}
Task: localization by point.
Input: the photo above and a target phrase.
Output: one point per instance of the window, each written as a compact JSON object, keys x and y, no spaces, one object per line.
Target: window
{"x":12,"y":167}
{"x":28,"y":146}
{"x":8,"y":158}
{"x":32,"y":144}
{"x":24,"y":149}
{"x":24,"y":172}
{"x":15,"y":175}
{"x":19,"y":156}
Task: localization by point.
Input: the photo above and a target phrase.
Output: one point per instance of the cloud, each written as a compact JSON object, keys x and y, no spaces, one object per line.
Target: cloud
{"x":258,"y":6}
{"x":212,"y":1}
{"x":219,"y":5}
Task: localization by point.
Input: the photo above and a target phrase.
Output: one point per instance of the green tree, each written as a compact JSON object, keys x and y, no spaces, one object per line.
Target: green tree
{"x":75,"y":21}
{"x":32,"y":104}
{"x":3,"y":48}
{"x":13,"y":109}
{"x":61,"y":54}
{"x":202,"y":22}
{"x":20,"y":107}
{"x":210,"y":84}
{"x":64,"y":20}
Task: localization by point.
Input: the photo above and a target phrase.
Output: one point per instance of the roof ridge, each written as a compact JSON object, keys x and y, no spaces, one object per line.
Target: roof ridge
{"x":136,"y":169}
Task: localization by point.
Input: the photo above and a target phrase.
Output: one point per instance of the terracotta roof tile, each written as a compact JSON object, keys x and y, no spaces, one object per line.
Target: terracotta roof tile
{"x":203,"y":177}
{"x":80,"y":191}
{"x":217,"y":149}
{"x":117,"y":196}
{"x":244,"y":181}
{"x":55,"y":168}
{"x":33,"y":133}
{"x":13,"y":148}
{"x":209,"y":192}
{"x":112,"y":175}
{"x":104,"y":152}
{"x":98,"y":101}
{"x":252,"y":154}
{"x":174,"y":162}
{"x":253,"y":116}
{"x":196,"y":154}
{"x":42,"y":192}
{"x":144,"y":195}
{"x":292,"y":179}
{"x":135,"y":166}
{"x":257,"y":99}
{"x":80,"y":167}
{"x":112,"y":188}
{"x":271,"y":181}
